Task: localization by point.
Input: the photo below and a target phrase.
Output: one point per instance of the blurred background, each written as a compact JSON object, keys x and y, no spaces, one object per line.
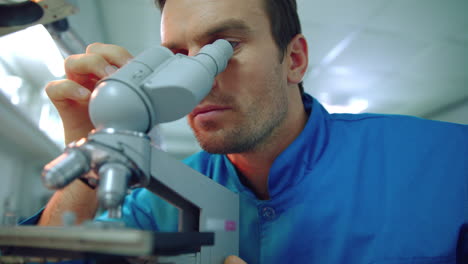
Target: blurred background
{"x":405,"y":57}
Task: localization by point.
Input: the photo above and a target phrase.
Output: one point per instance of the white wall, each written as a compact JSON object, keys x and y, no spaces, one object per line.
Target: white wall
{"x":455,"y":115}
{"x":9,"y":165}
{"x":24,"y":150}
{"x":20,"y":182}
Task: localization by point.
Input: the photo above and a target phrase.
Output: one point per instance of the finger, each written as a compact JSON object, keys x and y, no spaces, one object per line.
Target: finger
{"x":234,"y":260}
{"x":113,"y":54}
{"x":71,"y":101}
{"x":81,"y":67}
{"x":63,"y":90}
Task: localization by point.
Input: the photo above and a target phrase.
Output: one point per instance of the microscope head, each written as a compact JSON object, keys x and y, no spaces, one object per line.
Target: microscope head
{"x":156,"y":87}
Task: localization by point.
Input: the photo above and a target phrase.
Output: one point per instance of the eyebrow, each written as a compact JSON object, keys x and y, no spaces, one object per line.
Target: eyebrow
{"x":236,"y":25}
{"x":228,"y":25}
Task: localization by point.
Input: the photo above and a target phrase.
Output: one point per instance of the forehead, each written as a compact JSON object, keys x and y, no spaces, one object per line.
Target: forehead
{"x":181,"y":18}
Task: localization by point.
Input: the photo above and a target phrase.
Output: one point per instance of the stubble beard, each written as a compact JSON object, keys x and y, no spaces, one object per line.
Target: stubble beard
{"x":258,"y":127}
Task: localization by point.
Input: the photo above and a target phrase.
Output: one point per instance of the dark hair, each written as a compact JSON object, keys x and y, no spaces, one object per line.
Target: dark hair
{"x":284,"y":22}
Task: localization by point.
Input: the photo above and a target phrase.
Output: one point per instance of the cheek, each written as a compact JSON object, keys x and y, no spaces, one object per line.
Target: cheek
{"x":246,"y":73}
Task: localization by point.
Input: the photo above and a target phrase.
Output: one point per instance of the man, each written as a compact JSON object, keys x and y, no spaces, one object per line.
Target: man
{"x":314,"y":187}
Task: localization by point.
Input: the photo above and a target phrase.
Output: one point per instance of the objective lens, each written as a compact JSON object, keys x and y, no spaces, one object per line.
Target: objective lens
{"x":64,"y":169}
{"x":113,"y":184}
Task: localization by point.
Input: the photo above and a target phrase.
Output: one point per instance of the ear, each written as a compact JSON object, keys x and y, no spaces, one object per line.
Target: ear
{"x":298,"y":59}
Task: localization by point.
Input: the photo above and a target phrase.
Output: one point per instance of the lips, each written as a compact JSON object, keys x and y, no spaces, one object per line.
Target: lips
{"x":208,"y":109}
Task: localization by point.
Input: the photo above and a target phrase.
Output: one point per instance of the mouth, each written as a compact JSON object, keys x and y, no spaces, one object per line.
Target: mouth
{"x":208,"y":110}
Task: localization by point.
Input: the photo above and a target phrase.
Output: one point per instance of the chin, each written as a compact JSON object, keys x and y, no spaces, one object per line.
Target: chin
{"x":225,"y":145}
{"x":212,"y":145}
{"x":216,"y":140}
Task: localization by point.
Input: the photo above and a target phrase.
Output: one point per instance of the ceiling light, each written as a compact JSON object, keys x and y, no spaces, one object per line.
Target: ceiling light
{"x":338,"y":49}
{"x":10,"y":84}
{"x":354,"y":106}
{"x":34,"y":43}
{"x":341,"y":70}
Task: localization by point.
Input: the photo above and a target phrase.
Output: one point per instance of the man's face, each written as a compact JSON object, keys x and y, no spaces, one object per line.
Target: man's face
{"x":249,"y":101}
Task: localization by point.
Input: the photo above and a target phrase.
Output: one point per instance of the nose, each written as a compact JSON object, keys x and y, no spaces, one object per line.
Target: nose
{"x":215,"y":84}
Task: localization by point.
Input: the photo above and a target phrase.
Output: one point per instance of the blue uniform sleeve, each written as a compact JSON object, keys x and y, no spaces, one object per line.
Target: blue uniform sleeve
{"x":146,"y":211}
{"x":33,"y":220}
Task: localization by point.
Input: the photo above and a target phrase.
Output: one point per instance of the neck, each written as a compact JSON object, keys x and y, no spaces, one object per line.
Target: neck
{"x":255,"y":165}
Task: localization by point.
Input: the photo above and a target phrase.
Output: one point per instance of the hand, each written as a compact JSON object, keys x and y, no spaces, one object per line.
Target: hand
{"x":234,"y":260}
{"x":71,"y":95}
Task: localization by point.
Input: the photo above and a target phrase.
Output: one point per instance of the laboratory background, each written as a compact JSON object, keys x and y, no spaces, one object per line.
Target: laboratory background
{"x":406,"y":57}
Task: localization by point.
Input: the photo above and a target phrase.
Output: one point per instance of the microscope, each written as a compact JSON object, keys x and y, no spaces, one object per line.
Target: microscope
{"x":155,"y":87}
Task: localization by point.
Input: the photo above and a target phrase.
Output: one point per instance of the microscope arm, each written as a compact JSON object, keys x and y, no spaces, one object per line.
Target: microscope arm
{"x":206,"y":206}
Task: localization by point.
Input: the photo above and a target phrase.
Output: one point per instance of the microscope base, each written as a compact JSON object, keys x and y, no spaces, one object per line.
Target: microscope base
{"x":101,"y":246}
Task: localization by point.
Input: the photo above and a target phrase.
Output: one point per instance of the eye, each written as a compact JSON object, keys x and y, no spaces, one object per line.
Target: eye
{"x":234,"y":44}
